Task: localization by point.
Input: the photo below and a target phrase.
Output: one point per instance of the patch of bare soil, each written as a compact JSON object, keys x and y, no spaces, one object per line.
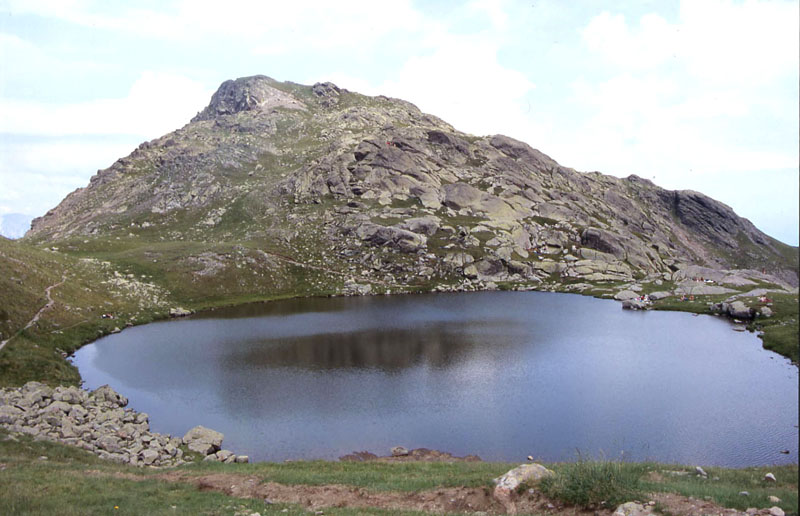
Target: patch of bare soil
{"x":457,"y":499}
{"x":452,"y":499}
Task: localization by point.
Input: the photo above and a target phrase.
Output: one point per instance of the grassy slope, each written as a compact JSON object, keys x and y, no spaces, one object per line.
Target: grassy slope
{"x":90,"y":290}
{"x":71,"y":481}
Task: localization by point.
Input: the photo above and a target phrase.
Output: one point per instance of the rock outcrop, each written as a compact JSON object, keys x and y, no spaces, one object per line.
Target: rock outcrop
{"x":286,"y":178}
{"x":98,"y":422}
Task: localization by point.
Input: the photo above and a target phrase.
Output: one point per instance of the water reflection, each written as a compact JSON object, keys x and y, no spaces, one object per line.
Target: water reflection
{"x":434,"y":345}
{"x":498,"y":374}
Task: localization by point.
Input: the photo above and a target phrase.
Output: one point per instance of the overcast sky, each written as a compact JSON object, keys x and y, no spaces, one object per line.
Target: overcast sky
{"x":700,"y":95}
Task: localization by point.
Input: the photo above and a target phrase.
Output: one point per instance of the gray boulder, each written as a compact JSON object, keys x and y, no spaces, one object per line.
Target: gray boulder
{"x":422,"y":225}
{"x":506,"y":486}
{"x":739,"y":310}
{"x":399,"y":451}
{"x":634,"y":304}
{"x":460,"y":195}
{"x":632,"y":509}
{"x":107,"y":394}
{"x":203,"y":440}
{"x":625,"y":294}
{"x":401,"y":239}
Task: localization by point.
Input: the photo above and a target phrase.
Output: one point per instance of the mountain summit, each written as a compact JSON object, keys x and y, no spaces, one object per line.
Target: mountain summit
{"x":277,"y":188}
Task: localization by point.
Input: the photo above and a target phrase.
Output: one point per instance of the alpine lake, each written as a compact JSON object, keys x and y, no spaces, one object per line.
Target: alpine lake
{"x":502,"y":375}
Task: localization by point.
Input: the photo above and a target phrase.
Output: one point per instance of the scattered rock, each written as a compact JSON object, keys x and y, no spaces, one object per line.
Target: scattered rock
{"x":179,"y":312}
{"x":773,"y":499}
{"x":700,"y":471}
{"x":96,"y":421}
{"x":506,"y":485}
{"x":738,"y":310}
{"x":399,"y":451}
{"x":625,"y":294}
{"x":632,"y":509}
{"x":635,"y":304}
{"x":776,"y":511}
{"x":203,"y":440}
{"x":769,"y":477}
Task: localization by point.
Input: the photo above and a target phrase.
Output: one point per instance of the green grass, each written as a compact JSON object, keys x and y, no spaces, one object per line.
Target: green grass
{"x":376,"y":476}
{"x":781,"y":330}
{"x":593,"y":484}
{"x":72,"y":481}
{"x":723,"y":485}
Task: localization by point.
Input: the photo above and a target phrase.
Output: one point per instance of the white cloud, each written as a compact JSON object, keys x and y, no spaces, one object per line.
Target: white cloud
{"x":686,"y":93}
{"x":37,"y":174}
{"x":265,"y":27}
{"x":463,"y":83}
{"x":157,"y":103}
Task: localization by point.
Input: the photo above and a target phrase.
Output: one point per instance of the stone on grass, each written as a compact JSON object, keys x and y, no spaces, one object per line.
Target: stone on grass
{"x":769,"y":477}
{"x":399,"y":451}
{"x":506,"y":485}
{"x":776,"y":511}
{"x":632,"y":509}
{"x":203,"y":440}
{"x":201,"y":447}
{"x":149,"y":456}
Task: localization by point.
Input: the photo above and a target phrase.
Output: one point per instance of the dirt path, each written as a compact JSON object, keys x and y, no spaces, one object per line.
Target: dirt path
{"x":50,"y":303}
{"x":468,"y":500}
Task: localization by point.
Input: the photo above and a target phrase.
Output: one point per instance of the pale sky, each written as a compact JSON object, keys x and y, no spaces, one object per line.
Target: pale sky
{"x":699,"y":95}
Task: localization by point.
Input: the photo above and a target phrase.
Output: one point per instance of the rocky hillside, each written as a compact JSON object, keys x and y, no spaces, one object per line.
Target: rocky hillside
{"x":278,"y":188}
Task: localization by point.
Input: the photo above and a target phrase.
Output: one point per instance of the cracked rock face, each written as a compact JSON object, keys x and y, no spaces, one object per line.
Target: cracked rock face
{"x":246,"y":94}
{"x":372,"y":190}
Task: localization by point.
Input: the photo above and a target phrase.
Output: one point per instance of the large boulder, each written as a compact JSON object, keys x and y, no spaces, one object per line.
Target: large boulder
{"x":739,"y":310}
{"x":625,"y":294}
{"x":603,"y":241}
{"x":401,"y":239}
{"x":423,"y":225}
{"x":634,"y":304}
{"x":506,"y":485}
{"x":203,"y":440}
{"x":460,"y":195}
{"x":109,"y":395}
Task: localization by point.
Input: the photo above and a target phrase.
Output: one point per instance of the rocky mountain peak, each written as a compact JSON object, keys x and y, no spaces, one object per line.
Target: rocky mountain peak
{"x":375,"y":190}
{"x":247,"y":94}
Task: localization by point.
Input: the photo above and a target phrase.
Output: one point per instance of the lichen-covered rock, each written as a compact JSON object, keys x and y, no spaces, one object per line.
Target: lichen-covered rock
{"x":203,"y":440}
{"x":506,"y":485}
{"x":99,"y":425}
{"x":107,"y":394}
{"x":632,"y":509}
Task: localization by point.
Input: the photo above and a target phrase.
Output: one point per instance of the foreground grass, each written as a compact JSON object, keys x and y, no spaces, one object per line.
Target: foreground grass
{"x":591,"y":484}
{"x":72,"y":481}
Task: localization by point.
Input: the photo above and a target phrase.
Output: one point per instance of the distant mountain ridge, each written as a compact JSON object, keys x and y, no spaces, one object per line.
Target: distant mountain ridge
{"x":15,"y":225}
{"x":278,"y":188}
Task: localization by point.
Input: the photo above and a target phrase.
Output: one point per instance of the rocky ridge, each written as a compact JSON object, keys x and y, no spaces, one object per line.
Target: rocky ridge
{"x":286,"y":187}
{"x":98,"y":422}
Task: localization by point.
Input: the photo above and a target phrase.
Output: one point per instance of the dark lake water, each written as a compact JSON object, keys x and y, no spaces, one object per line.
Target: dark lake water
{"x":499,"y":374}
